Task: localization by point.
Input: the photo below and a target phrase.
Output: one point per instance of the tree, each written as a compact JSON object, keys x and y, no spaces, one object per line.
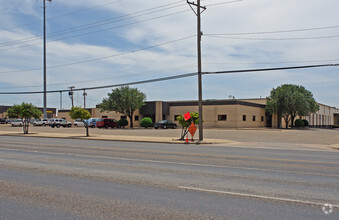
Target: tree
{"x":122,"y":123}
{"x":83,"y":114}
{"x":186,"y":123}
{"x":26,"y":112}
{"x":124,"y":100}
{"x":146,"y":122}
{"x":288,"y":101}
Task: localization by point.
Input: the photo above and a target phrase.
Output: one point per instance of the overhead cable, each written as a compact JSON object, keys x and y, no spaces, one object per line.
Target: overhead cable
{"x":176,"y":77}
{"x":280,"y":31}
{"x":98,"y":24}
{"x":273,"y":39}
{"x":102,"y":58}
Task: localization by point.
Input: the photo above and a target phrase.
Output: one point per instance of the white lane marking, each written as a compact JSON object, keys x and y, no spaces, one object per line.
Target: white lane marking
{"x":254,"y":196}
{"x":173,"y":163}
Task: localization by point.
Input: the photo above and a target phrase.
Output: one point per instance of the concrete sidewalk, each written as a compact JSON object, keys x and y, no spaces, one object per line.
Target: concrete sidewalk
{"x":106,"y":137}
{"x":280,"y":138}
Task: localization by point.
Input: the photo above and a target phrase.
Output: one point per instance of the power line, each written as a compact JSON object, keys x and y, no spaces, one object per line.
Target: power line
{"x":100,"y":23}
{"x":86,"y":9}
{"x":102,"y":58}
{"x":273,"y":39}
{"x":177,"y":77}
{"x":96,"y":31}
{"x":280,"y":31}
{"x":223,"y":3}
{"x":118,"y":76}
{"x":281,"y":62}
{"x":63,"y":15}
{"x":272,"y":69}
{"x":171,"y":69}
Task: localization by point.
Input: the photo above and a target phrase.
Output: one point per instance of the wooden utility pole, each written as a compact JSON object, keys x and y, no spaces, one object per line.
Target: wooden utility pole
{"x":85,"y":94}
{"x":71,"y":95}
{"x":198,"y":12}
{"x":60,"y":100}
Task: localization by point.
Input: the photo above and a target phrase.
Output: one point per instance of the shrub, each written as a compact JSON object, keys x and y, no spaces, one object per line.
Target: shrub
{"x":122,"y":122}
{"x":146,"y":122}
{"x":306,"y":124}
{"x":299,"y":123}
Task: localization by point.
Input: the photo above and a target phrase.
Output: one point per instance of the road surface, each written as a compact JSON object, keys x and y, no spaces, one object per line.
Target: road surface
{"x":46,"y":178}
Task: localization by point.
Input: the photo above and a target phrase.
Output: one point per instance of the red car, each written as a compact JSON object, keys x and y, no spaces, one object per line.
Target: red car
{"x":106,"y":123}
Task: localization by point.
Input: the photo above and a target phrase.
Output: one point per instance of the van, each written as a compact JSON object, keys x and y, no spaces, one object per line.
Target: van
{"x":106,"y":123}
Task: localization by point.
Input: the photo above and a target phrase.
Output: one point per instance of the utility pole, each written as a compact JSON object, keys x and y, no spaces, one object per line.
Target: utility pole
{"x":71,"y":95}
{"x":199,"y":34}
{"x":60,"y":100}
{"x":44,"y":55}
{"x":85,"y":94}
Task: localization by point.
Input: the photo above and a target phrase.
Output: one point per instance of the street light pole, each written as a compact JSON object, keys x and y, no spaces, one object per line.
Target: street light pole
{"x":44,"y":57}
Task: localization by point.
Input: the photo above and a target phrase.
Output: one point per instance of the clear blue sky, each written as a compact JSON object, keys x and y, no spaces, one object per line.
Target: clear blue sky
{"x":104,"y":42}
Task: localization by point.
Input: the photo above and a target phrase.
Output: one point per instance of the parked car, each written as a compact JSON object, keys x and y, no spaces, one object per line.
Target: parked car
{"x":164,"y":124}
{"x":106,"y":123}
{"x":92,"y":122}
{"x":78,"y":123}
{"x":3,"y":121}
{"x":57,"y":122}
{"x":17,"y":123}
{"x":42,"y":122}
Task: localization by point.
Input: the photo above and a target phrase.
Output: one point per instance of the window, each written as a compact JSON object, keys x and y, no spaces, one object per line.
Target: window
{"x":244,"y":117}
{"x":222,"y":117}
{"x":262,"y":118}
{"x":123,"y":117}
{"x":136,"y":118}
{"x":175,"y":117}
{"x":253,"y":118}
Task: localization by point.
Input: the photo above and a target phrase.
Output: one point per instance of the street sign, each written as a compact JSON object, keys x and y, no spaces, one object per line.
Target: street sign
{"x":192,"y":129}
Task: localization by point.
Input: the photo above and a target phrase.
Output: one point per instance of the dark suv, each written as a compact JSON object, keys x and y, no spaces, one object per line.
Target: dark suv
{"x":3,"y":121}
{"x":106,"y":123}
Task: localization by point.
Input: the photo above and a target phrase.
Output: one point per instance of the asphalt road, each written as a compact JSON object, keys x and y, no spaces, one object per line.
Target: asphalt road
{"x":46,"y":178}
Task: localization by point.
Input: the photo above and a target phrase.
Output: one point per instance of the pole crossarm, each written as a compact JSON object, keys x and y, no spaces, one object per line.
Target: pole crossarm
{"x":193,"y":3}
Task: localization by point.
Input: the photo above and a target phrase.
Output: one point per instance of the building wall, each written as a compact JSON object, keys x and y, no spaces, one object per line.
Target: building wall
{"x":246,"y":113}
{"x":324,"y":117}
{"x":158,"y":111}
{"x":224,"y":116}
{"x":336,"y":119}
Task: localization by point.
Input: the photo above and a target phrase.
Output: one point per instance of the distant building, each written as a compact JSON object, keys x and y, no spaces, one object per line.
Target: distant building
{"x":51,"y":112}
{"x":227,"y":113}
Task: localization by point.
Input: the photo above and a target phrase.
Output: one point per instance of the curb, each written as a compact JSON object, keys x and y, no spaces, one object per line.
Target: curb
{"x":111,"y":138}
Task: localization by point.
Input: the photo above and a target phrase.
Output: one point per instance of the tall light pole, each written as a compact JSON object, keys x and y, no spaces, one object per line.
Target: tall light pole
{"x":199,"y":34}
{"x":44,"y":55}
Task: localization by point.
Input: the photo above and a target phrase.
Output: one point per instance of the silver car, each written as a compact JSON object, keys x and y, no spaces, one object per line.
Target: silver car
{"x":17,"y":123}
{"x":79,"y":122}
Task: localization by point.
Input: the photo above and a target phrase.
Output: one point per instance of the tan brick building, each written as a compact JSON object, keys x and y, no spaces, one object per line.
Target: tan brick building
{"x":227,"y":113}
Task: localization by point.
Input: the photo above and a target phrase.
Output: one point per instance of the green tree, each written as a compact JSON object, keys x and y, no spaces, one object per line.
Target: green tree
{"x":185,"y":124}
{"x":122,"y":123}
{"x":26,"y":112}
{"x":83,"y":114}
{"x":146,"y":122}
{"x":288,"y":101}
{"x":124,"y":100}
